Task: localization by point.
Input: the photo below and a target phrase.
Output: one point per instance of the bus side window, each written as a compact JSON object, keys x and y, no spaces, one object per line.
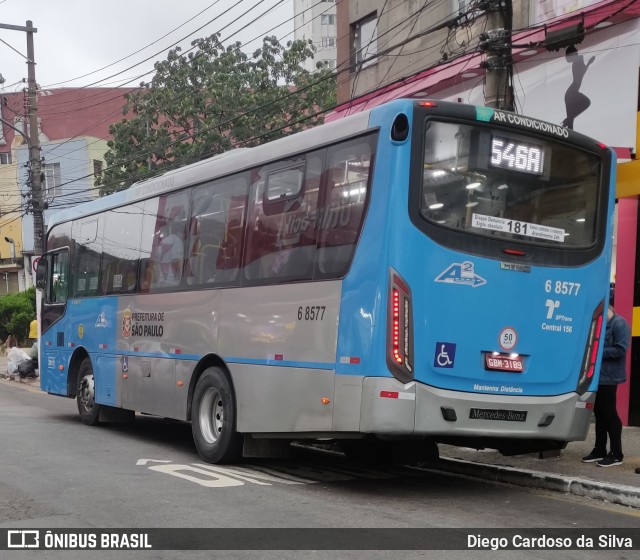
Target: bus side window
{"x":163,"y":240}
{"x":341,"y":213}
{"x":281,"y":240}
{"x":215,"y":231}
{"x":87,"y":256}
{"x":59,"y":276}
{"x":60,"y":236}
{"x":121,"y":249}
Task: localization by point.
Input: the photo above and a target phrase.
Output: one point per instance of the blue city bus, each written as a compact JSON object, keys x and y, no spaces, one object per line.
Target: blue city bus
{"x":422,"y":272}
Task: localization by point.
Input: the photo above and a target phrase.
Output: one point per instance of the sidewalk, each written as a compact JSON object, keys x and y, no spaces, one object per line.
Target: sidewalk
{"x":566,"y":473}
{"x":5,"y":376}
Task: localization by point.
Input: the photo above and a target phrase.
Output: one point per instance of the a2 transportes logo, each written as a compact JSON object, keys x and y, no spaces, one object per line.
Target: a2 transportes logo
{"x":101,"y":321}
{"x":461,"y":274}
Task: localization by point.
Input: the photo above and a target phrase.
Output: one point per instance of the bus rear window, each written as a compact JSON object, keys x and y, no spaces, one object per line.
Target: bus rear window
{"x":509,"y":186}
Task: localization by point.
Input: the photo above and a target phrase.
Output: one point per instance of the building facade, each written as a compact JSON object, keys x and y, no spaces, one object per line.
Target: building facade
{"x":316,"y":21}
{"x":73,"y":131}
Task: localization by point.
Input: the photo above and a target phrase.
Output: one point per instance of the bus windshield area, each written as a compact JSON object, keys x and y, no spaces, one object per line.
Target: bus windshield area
{"x":510,"y":186}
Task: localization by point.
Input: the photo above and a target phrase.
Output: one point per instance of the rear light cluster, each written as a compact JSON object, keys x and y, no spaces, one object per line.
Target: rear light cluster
{"x":400,"y":329}
{"x":589,"y":361}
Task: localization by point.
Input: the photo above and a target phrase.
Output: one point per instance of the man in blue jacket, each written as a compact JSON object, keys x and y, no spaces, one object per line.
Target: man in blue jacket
{"x":613,"y":372}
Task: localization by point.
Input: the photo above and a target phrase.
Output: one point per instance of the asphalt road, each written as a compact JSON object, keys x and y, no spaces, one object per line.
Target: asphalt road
{"x":58,"y":473}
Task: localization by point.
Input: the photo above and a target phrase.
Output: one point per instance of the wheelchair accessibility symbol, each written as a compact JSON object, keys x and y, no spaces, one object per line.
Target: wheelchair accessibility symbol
{"x":445,"y":355}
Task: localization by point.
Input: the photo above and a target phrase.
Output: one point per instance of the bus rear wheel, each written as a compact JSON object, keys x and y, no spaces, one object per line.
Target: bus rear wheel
{"x":86,"y":395}
{"x":213,"y":418}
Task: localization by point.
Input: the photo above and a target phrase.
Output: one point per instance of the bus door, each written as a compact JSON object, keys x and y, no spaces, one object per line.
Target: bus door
{"x":150,"y":383}
{"x":53,"y":279}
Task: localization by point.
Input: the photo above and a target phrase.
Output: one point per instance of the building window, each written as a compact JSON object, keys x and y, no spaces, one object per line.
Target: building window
{"x":365,"y":42}
{"x":5,"y":159}
{"x":52,"y":179}
{"x":327,"y":19}
{"x":328,"y":41}
{"x":97,"y":168}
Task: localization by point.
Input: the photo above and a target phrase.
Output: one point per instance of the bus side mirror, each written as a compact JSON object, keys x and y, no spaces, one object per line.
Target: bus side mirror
{"x":42,"y":274}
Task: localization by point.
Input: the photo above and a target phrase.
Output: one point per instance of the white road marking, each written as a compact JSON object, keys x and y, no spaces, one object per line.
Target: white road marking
{"x":143,"y":462}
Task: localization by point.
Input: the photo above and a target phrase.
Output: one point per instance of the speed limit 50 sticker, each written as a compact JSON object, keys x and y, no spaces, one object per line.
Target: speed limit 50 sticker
{"x":508,"y":338}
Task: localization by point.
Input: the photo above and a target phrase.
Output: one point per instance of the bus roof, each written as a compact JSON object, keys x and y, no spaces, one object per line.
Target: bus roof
{"x":246,"y":158}
{"x":220,"y":165}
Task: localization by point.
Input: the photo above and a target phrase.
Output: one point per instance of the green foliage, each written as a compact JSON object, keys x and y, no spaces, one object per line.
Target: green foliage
{"x":16,"y":313}
{"x":211,"y":100}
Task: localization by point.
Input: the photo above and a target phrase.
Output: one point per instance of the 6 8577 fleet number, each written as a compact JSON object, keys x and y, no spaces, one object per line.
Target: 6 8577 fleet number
{"x":311,"y":312}
{"x":564,"y":288}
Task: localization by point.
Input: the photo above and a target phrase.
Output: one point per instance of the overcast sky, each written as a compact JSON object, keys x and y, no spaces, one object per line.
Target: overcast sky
{"x":95,"y":42}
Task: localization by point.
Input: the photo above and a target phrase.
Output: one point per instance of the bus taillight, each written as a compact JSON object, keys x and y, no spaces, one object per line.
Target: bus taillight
{"x":395,"y":343}
{"x":400,"y":329}
{"x":591,"y":350}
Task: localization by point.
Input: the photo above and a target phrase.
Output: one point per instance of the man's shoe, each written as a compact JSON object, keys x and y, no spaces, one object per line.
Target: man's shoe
{"x":610,"y":461}
{"x":593,"y":457}
{"x":637,"y":470}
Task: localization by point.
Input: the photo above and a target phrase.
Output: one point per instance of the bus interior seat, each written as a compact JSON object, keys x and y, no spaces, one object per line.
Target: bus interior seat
{"x":208,"y":262}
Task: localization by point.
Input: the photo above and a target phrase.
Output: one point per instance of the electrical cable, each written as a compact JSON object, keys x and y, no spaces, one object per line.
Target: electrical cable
{"x":289,"y":124}
{"x":412,"y":38}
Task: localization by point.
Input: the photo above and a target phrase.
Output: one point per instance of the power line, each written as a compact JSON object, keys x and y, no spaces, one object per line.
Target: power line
{"x":179,"y":41}
{"x":91,"y":96}
{"x":289,"y":124}
{"x":246,"y":141}
{"x":377,"y":55}
{"x":189,"y":62}
{"x":218,"y":124}
{"x":139,"y":50}
{"x":237,"y":31}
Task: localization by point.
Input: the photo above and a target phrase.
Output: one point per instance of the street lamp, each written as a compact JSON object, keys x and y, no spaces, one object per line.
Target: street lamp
{"x":13,"y":248}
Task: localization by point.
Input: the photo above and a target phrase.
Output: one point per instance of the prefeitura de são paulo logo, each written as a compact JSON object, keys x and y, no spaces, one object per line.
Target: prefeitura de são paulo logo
{"x":126,"y":323}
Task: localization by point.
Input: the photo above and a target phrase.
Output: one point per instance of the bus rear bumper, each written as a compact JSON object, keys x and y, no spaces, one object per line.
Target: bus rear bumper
{"x":392,"y":408}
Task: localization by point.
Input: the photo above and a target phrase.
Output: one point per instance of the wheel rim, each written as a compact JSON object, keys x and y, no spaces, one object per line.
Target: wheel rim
{"x":87,"y":393}
{"x":211,"y":415}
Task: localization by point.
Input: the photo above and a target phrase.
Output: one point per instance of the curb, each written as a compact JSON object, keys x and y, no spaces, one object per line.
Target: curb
{"x":614,"y":493}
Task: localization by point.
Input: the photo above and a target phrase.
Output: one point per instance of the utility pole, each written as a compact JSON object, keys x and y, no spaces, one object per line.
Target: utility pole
{"x":33,"y":140}
{"x":496,"y":42}
{"x":37,"y":199}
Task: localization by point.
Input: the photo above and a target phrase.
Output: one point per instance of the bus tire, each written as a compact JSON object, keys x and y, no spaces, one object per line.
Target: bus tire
{"x":213,"y":418}
{"x":86,"y":395}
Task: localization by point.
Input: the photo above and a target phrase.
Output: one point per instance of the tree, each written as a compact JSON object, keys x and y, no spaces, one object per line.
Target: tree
{"x":212,"y":100}
{"x":16,"y":313}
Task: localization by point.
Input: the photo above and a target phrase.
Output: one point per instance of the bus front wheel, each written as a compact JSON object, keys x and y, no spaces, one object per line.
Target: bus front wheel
{"x":86,"y":395}
{"x":213,"y":418}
